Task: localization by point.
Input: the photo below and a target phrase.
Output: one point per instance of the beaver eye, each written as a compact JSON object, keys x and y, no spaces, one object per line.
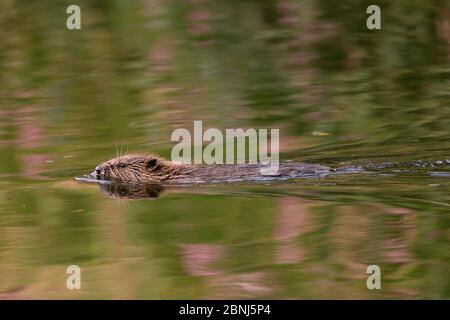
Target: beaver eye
{"x":121,"y":165}
{"x":152,"y":164}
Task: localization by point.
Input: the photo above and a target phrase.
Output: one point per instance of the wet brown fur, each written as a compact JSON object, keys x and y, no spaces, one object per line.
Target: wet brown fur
{"x":150,"y":168}
{"x":136,"y":167}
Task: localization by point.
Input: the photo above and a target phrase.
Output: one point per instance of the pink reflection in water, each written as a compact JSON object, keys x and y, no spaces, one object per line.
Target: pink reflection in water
{"x":199,"y":258}
{"x":292,"y":221}
{"x":30,"y":135}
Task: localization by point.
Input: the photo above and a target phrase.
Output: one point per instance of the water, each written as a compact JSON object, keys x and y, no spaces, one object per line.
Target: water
{"x":340,"y":94}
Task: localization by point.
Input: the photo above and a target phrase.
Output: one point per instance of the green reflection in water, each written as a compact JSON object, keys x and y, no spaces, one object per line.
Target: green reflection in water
{"x":137,"y":70}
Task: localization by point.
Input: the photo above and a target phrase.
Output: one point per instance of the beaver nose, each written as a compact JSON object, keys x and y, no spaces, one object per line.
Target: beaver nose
{"x":98,"y":171}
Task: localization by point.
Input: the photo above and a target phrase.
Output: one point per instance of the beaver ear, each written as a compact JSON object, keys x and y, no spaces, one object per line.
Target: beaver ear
{"x":152,"y":164}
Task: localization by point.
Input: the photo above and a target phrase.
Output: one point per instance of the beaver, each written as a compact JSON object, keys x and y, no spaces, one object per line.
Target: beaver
{"x":151,"y":169}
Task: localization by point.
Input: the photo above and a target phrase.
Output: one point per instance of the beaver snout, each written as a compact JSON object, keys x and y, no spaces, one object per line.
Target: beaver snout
{"x":99,"y":172}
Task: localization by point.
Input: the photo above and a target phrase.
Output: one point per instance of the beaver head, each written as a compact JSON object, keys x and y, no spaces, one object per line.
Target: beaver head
{"x":136,"y":168}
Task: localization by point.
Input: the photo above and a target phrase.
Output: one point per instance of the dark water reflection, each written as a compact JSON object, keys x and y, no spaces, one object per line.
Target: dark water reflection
{"x":339,"y":93}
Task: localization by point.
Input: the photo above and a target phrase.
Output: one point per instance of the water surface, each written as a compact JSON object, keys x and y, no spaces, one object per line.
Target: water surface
{"x":340,"y":94}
